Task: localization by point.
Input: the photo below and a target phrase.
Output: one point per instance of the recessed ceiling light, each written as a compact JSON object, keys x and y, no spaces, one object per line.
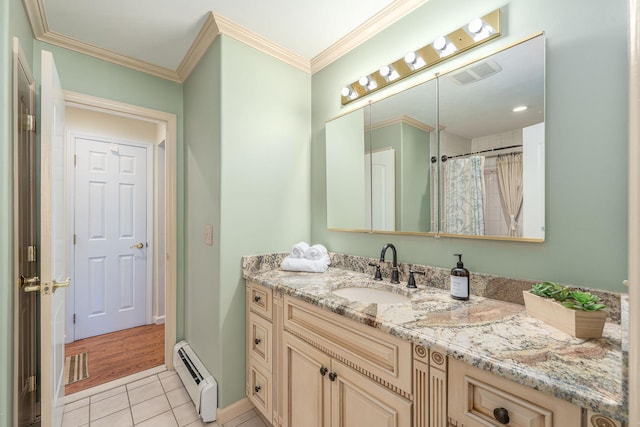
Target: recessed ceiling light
{"x":519,"y":108}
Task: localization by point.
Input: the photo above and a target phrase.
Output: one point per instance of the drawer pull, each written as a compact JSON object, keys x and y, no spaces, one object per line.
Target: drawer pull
{"x":257,"y":341}
{"x":501,"y":415}
{"x":257,"y":388}
{"x":323,"y":371}
{"x":257,"y":298}
{"x":333,"y":376}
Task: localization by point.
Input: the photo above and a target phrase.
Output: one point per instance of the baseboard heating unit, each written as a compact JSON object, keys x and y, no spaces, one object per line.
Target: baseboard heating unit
{"x":200,"y":385}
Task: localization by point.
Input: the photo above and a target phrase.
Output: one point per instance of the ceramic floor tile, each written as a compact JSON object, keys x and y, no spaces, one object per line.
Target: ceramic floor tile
{"x":142,"y":382}
{"x":145,"y":392}
{"x":185,"y":414}
{"x":150,"y":408}
{"x":240,"y":419}
{"x":200,"y":423}
{"x":253,"y":422}
{"x":108,"y":393}
{"x":77,"y":404}
{"x":165,"y":419}
{"x":171,"y":382}
{"x":108,"y":406}
{"x":178,"y":397}
{"x":120,"y":419}
{"x":165,"y":374}
{"x":75,"y":417}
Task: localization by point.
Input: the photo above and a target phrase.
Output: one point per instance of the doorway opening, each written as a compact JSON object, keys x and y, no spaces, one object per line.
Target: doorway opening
{"x":132,"y":329}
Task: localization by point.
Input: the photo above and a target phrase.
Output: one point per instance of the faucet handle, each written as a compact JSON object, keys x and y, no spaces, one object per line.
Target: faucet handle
{"x":411,"y":283}
{"x":378,"y":275}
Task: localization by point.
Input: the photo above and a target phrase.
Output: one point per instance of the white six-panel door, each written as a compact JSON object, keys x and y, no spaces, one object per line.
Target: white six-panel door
{"x":110,"y":253}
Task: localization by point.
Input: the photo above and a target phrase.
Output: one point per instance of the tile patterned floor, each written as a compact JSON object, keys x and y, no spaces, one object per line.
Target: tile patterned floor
{"x":155,"y":401}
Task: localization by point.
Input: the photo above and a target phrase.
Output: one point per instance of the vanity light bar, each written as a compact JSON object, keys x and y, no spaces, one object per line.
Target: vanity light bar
{"x":475,"y":33}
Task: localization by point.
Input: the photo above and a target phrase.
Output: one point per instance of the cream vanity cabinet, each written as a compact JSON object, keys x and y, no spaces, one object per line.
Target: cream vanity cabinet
{"x":260,"y":347}
{"x":480,"y":398}
{"x":340,"y":373}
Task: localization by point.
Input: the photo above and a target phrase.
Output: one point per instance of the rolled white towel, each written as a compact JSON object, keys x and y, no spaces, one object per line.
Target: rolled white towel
{"x":298,"y":250}
{"x":306,"y":265}
{"x":315,"y":252}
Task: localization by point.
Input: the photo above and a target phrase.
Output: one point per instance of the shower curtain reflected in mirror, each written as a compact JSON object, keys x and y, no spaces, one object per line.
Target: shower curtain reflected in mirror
{"x":463,"y":196}
{"x":509,"y":171}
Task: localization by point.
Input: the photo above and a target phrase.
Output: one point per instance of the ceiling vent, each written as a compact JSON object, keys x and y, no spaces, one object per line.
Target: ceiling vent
{"x":476,"y":72}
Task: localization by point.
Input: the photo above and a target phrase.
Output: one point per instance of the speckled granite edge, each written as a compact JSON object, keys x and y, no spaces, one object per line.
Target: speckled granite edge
{"x":485,"y":285}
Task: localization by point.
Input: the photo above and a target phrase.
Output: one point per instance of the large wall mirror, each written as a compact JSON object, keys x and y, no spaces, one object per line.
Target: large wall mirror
{"x":453,"y":156}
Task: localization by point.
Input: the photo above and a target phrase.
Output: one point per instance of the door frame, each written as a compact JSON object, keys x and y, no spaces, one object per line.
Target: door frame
{"x":152,"y":236}
{"x":169,"y":120}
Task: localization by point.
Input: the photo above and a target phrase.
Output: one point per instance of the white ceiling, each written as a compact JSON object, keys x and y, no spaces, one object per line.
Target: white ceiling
{"x":162,"y":31}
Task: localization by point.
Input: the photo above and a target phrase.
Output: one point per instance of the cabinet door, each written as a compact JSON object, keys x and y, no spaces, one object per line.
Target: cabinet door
{"x":357,"y":401}
{"x":306,"y":391}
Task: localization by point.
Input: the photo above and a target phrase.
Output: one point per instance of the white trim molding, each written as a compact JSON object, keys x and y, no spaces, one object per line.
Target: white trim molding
{"x":364,"y":32}
{"x":213,"y":26}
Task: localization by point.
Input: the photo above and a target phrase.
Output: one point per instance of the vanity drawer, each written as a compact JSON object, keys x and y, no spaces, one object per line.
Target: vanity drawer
{"x":386,"y":358}
{"x":480,"y":398}
{"x":260,"y":300}
{"x":259,"y":391}
{"x":260,"y":341}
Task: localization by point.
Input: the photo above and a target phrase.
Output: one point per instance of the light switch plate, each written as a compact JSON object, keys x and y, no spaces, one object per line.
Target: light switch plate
{"x":208,"y":234}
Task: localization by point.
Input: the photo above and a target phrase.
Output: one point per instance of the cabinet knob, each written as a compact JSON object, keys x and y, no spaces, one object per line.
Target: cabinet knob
{"x":257,"y":341}
{"x":501,"y":415}
{"x":323,"y":371}
{"x":333,"y":376}
{"x":257,"y":298}
{"x":257,"y":388}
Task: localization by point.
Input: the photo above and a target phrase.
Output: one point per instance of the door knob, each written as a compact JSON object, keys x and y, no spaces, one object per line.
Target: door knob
{"x":55,"y":285}
{"x":138,"y":245}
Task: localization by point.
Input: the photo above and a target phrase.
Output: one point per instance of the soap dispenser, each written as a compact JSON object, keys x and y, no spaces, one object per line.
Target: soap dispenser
{"x":459,"y":280}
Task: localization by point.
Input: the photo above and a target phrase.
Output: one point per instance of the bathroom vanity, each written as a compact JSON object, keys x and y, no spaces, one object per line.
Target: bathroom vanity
{"x":317,"y":358}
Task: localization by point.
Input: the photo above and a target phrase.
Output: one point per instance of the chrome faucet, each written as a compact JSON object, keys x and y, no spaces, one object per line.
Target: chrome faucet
{"x":394,"y":270}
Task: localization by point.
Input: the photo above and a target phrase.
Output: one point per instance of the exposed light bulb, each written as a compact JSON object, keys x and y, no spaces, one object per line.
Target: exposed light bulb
{"x":410,"y":57}
{"x":475,"y":26}
{"x":345,"y":92}
{"x":385,"y":71}
{"x":364,"y":81}
{"x":440,"y":43}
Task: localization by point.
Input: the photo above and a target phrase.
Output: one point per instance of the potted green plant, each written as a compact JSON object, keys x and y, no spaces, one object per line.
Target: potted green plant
{"x":575,"y":312}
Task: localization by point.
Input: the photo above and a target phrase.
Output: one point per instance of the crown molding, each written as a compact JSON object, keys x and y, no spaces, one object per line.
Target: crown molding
{"x":258,"y":42}
{"x":213,"y":26}
{"x":201,"y":43}
{"x":36,"y":14}
{"x":109,"y":55}
{"x":371,"y":27}
{"x":403,"y":119}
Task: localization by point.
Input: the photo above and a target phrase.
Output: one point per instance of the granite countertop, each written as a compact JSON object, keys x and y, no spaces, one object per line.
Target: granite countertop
{"x":489,"y":334}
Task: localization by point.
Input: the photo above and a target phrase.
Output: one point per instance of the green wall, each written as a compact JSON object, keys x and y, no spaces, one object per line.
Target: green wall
{"x":247,"y":140}
{"x":586,"y":139}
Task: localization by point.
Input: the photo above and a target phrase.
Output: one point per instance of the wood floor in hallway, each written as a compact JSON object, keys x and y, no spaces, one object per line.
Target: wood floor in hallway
{"x":118,"y":354}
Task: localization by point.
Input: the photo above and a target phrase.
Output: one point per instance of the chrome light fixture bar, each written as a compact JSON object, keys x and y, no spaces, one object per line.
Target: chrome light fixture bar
{"x":475,"y":33}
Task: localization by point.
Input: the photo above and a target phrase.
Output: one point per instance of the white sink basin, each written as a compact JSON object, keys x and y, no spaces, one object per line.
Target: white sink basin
{"x":370,"y":295}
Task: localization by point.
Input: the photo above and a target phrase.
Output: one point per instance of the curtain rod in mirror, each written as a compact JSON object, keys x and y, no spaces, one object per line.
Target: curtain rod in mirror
{"x":475,"y":33}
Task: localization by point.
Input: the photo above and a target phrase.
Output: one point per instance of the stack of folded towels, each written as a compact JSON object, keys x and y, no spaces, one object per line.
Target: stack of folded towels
{"x":312,"y":259}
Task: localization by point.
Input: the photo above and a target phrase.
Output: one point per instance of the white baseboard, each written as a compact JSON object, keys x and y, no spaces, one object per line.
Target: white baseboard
{"x":234,"y":410}
{"x":158,"y":320}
